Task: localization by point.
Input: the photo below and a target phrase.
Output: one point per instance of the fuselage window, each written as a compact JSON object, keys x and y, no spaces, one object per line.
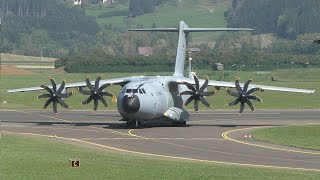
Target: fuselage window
{"x":134,"y":90}
{"x":140,"y":91}
{"x":144,"y":91}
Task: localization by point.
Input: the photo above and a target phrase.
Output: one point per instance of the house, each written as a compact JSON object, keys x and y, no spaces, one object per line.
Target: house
{"x":145,"y":51}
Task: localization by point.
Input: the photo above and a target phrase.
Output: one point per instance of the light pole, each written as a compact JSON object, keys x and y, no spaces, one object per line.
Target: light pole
{"x":258,"y":67}
{"x":234,"y":65}
{"x":292,"y":65}
{"x":242,"y":67}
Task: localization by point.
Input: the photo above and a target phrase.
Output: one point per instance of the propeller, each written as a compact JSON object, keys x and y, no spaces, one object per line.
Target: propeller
{"x":96,"y":93}
{"x":55,"y":95}
{"x":197,"y":93}
{"x":244,"y":96}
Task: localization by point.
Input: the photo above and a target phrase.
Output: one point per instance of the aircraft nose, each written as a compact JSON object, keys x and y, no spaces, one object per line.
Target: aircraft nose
{"x":131,"y":104}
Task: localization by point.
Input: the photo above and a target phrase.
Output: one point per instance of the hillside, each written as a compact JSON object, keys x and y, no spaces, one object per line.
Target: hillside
{"x":205,"y":13}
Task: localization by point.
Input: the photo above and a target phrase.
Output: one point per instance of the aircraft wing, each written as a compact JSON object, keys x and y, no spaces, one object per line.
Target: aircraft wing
{"x":232,"y":85}
{"x":73,"y":85}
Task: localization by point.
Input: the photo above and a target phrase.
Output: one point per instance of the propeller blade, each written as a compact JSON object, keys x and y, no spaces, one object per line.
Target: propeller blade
{"x":187,"y":93}
{"x":104,"y":102}
{"x":255,"y":98}
{"x":85,"y":92}
{"x":252,"y":90}
{"x":242,"y":107}
{"x":238,"y":86}
{"x":205,"y":85}
{"x":88,"y":100}
{"x":234,"y":102}
{"x":246,"y":85}
{"x":47,"y":89}
{"x":196,"y":81}
{"x":89,"y":84}
{"x":244,"y":96}
{"x":61,"y":87}
{"x":55,"y":109}
{"x":189,"y":86}
{"x":250,"y":105}
{"x":96,"y":84}
{"x":106,"y":94}
{"x":203,"y":100}
{"x":196,"y":104}
{"x":44,"y":96}
{"x":62,"y":103}
{"x":208,"y":93}
{"x":232,"y":93}
{"x":95,"y":106}
{"x":46,"y":104}
{"x":103,"y":87}
{"x":189,"y":100}
{"x":54,"y":85}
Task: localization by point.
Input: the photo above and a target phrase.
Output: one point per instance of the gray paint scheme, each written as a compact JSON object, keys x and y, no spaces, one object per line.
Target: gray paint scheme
{"x":161,"y":99}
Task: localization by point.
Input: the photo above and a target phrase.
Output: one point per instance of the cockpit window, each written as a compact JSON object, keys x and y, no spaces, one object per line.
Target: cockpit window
{"x":128,"y":90}
{"x":141,"y":91}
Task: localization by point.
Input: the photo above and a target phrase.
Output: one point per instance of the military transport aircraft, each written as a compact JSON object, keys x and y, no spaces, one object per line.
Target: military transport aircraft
{"x":158,"y":97}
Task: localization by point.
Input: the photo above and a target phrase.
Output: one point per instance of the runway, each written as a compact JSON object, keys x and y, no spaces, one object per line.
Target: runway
{"x":211,"y":136}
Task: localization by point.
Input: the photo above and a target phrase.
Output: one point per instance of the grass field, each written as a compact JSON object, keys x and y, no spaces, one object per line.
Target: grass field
{"x":302,"y":136}
{"x":41,"y":158}
{"x":272,"y":99}
{"x":204,"y":13}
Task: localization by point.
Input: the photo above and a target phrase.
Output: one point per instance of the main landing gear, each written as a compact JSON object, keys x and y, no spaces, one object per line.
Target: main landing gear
{"x":136,"y":123}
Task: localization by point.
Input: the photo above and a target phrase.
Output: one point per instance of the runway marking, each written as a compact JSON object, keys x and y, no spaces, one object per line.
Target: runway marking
{"x":24,"y":112}
{"x":159,"y":140}
{"x":171,"y":157}
{"x":99,"y":130}
{"x":113,"y":131}
{"x":225,"y":135}
{"x":222,"y":152}
{"x":138,"y":138}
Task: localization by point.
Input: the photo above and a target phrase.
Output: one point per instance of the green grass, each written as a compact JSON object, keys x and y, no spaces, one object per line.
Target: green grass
{"x":272,"y":99}
{"x":40,"y":158}
{"x":19,"y":58}
{"x":302,"y":136}
{"x":196,"y":14}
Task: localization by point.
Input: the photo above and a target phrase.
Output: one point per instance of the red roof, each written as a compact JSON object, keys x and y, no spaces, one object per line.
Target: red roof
{"x":145,"y":51}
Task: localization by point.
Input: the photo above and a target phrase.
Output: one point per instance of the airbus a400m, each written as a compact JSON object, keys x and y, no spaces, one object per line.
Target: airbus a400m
{"x":158,"y":97}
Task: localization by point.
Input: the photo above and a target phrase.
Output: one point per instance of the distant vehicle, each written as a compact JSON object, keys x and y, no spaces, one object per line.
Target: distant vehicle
{"x":157,"y":97}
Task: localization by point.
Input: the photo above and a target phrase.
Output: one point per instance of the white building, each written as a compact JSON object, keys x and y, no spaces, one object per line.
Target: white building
{"x":77,"y":2}
{"x":108,"y":1}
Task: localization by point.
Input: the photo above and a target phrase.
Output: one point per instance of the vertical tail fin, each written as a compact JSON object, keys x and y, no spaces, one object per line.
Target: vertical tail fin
{"x":183,"y":31}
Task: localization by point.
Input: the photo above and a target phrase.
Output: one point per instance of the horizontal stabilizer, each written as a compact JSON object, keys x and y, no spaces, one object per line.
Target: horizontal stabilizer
{"x":215,"y":29}
{"x":192,"y":29}
{"x":157,"y":29}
